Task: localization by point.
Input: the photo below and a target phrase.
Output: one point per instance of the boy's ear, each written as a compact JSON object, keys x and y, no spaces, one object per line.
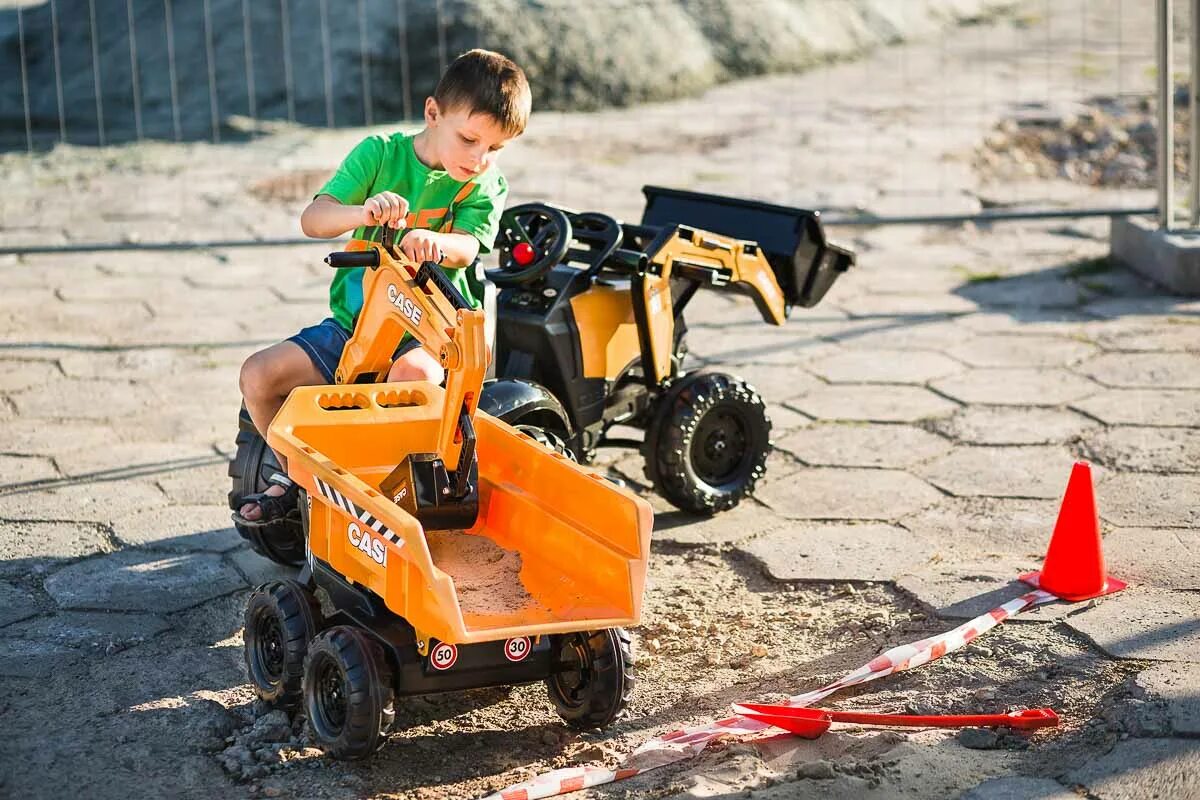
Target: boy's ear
{"x":432,"y":112}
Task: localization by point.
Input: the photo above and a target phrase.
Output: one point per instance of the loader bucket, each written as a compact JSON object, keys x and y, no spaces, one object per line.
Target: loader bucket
{"x":805,"y":263}
{"x":556,"y":547}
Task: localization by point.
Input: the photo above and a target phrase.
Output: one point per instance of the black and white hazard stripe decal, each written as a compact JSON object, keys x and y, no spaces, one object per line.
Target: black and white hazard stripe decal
{"x":344,"y":504}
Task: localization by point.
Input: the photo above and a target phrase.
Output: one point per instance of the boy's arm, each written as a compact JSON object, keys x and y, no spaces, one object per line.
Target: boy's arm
{"x":326,"y":216}
{"x":454,"y":249}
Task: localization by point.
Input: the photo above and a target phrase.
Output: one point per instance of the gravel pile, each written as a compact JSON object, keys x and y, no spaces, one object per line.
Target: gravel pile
{"x":1105,"y":142}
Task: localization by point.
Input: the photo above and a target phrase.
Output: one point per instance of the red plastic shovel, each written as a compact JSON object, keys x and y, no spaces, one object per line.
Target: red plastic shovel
{"x":812,"y":722}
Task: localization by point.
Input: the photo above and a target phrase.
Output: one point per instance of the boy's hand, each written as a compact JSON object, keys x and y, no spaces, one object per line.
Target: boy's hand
{"x":385,"y":208}
{"x":421,"y":245}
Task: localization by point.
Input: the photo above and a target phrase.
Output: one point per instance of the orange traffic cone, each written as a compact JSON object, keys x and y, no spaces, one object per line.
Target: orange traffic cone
{"x":1074,"y":565}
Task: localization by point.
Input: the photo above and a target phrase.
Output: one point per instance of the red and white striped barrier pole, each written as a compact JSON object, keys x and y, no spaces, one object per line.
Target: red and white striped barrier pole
{"x":686,"y":743}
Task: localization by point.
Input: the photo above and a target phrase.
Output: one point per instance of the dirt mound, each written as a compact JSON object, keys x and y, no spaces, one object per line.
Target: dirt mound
{"x":1105,"y":141}
{"x":185,"y":71}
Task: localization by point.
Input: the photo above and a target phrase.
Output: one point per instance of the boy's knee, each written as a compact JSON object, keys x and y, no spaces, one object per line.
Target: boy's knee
{"x":256,"y":376}
{"x":423,"y":371}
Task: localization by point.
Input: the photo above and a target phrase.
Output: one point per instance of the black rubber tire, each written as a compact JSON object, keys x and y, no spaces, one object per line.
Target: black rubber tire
{"x":348,"y":693}
{"x":553,"y":438}
{"x":595,"y":692}
{"x":281,"y":619}
{"x":703,"y":411}
{"x":254,"y":462}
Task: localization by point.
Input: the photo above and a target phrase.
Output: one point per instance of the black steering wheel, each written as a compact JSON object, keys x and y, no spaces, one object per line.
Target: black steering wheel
{"x":533,"y":238}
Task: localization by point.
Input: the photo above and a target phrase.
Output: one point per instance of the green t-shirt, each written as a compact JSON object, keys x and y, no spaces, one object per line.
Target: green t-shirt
{"x":388,"y":164}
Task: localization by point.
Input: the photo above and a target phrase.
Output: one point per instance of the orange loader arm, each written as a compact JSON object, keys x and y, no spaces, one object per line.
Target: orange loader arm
{"x":401,"y":297}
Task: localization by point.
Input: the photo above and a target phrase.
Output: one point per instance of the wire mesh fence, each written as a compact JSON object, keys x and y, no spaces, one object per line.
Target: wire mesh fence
{"x":1018,"y":94}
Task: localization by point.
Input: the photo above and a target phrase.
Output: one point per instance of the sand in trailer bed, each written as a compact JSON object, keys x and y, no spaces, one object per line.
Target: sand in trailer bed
{"x":486,"y":576}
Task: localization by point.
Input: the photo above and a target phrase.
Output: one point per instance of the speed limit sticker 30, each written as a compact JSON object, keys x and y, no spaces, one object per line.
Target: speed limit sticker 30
{"x":517,"y":649}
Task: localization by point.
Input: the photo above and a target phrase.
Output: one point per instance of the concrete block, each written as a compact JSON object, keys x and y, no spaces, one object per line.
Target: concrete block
{"x":1169,"y":259}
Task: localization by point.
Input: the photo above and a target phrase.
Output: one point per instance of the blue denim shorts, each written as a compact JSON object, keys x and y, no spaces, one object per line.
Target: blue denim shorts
{"x":325,"y":341}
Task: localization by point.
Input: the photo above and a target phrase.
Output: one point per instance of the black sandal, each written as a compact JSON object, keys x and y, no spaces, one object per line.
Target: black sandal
{"x":274,"y":507}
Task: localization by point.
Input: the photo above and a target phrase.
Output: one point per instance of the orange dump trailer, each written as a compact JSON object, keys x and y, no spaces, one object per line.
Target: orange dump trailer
{"x":556,"y":546}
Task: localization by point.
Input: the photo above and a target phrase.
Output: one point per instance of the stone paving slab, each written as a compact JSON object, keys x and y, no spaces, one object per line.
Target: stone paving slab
{"x":868,"y":404}
{"x":193,"y":486}
{"x":86,"y":502}
{"x":775,"y":383}
{"x":1021,"y":351}
{"x":85,"y":399}
{"x":1159,"y":305}
{"x":1181,"y":336}
{"x":973,"y":527}
{"x":1177,"y":686}
{"x":1022,"y":322}
{"x":17,"y":374}
{"x":1143,"y":407}
{"x":1039,"y":471}
{"x":16,"y":604}
{"x":23,"y":470}
{"x":1036,"y":290}
{"x":864,"y":494}
{"x":1166,"y":558}
{"x":88,"y":629}
{"x":1146,"y":623}
{"x":186,"y":528}
{"x":1136,"y":500}
{"x":1013,"y":425}
{"x":133,"y":459}
{"x":1016,"y":387}
{"x":1145,"y":370}
{"x":748,"y":520}
{"x":884,"y":366}
{"x":862,"y":445}
{"x":1139,"y":449}
{"x":257,"y":570}
{"x":140,"y":581}
{"x":965,"y":591}
{"x":915,"y":332}
{"x":30,"y":547}
{"x":1142,"y":768}
{"x":60,"y":437}
{"x":837,"y":552}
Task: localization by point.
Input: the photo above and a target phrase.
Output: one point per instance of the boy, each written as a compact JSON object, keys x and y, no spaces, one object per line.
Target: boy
{"x":442,"y":187}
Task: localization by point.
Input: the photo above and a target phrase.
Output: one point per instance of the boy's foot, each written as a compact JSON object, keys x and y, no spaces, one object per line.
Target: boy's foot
{"x":279,"y":501}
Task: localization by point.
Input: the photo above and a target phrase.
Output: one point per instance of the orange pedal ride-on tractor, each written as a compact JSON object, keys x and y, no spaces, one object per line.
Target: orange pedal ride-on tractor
{"x":590,"y":334}
{"x":446,"y":550}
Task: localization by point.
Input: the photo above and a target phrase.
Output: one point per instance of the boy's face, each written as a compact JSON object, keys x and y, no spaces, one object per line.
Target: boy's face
{"x":464,"y":144}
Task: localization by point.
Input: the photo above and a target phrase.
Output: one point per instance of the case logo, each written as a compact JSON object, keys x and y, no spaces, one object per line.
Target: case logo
{"x":364,"y":541}
{"x":405,"y":304}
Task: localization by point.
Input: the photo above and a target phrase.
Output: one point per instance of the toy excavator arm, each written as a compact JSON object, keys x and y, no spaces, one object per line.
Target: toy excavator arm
{"x":710,"y":260}
{"x":399,"y":297}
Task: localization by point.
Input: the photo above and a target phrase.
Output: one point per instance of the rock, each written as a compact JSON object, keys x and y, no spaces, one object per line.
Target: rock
{"x":272,"y":727}
{"x":978,"y":738}
{"x":817,"y":771}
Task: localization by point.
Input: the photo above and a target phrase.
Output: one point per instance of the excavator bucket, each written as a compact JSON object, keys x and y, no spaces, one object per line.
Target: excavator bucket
{"x":556,"y":547}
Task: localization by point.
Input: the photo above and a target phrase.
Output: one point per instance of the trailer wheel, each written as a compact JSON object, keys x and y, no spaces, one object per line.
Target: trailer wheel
{"x":595,"y":679}
{"x":254,"y":462}
{"x":281,"y":618}
{"x":348,"y":692}
{"x":708,"y":444}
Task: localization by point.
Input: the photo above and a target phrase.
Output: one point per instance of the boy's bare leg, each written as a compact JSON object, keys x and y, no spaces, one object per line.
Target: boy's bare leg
{"x":416,"y":365}
{"x":266,"y":379}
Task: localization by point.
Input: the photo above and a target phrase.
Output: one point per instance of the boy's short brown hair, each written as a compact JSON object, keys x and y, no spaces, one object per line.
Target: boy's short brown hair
{"x":489,"y":83}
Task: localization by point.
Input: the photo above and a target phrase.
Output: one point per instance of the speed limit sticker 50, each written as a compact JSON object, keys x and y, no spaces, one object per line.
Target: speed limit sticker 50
{"x":443,"y":656}
{"x":517,"y":649}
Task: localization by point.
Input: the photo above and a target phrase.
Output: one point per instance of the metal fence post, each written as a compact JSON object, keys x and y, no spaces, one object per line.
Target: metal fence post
{"x":1194,"y":150}
{"x":1166,"y":133}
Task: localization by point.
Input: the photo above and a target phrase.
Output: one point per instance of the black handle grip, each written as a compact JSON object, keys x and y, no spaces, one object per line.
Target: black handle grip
{"x":429,"y":273}
{"x":358,"y":258}
{"x":633,"y":260}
